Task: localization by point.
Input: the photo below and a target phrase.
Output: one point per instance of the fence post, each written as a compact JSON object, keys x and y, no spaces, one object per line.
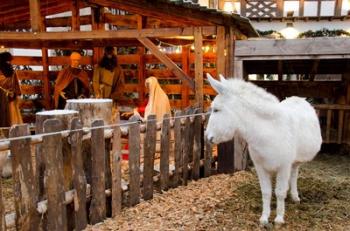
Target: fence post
{"x":164,"y":153}
{"x":185,"y":149}
{"x":52,"y":147}
{"x":207,"y":153}
{"x":148,"y":157}
{"x":98,"y":196}
{"x":79,"y":180}
{"x":2,"y":210}
{"x":178,"y":148}
{"x":134,"y":161}
{"x":197,"y":147}
{"x":25,"y":192}
{"x":116,"y":169}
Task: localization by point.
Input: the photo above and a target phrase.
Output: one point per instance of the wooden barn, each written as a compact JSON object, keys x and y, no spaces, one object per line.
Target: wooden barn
{"x":176,"y":41}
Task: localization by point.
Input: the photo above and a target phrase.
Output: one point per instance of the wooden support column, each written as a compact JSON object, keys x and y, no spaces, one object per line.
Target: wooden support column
{"x":198,"y":66}
{"x":96,"y":14}
{"x":35,"y":16}
{"x":280,"y":70}
{"x":301,"y":8}
{"x":167,"y":61}
{"x":75,"y":15}
{"x":220,"y":50}
{"x":141,"y":65}
{"x":243,"y":8}
{"x":319,"y":8}
{"x":46,"y":82}
{"x":186,"y":68}
{"x":279,"y":12}
{"x":337,"y":8}
{"x":238,"y":69}
{"x":229,"y":47}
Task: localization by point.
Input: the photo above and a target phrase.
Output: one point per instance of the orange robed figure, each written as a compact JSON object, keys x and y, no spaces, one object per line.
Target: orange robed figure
{"x":71,"y":83}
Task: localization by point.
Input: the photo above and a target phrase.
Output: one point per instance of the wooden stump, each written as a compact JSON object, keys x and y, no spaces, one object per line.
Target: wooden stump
{"x":91,"y":110}
{"x":65,"y":116}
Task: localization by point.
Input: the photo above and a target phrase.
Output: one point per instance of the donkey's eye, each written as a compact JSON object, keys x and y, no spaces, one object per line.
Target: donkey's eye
{"x":215,"y":110}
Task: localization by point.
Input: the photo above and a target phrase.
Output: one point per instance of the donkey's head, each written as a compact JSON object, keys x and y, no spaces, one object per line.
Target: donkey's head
{"x":223,"y":122}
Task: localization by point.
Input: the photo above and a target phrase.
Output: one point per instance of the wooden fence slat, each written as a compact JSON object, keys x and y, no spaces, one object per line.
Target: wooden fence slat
{"x":134,"y":161}
{"x":148,"y":157}
{"x":79,"y":180}
{"x":116,"y":169}
{"x":98,"y":196}
{"x":164,"y":153}
{"x":23,"y":178}
{"x":2,"y":210}
{"x":328,"y":128}
{"x":197,"y":144}
{"x":185,"y":149}
{"x":178,"y":148}
{"x":52,"y":147}
{"x":340,"y":126}
{"x":207,"y":153}
{"x":190,"y":136}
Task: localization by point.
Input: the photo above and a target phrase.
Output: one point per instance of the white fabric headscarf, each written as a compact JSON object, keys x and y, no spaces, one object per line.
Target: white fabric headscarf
{"x":158,"y":102}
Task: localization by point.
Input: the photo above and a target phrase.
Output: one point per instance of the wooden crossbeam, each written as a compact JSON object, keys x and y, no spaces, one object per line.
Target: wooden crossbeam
{"x":167,"y":61}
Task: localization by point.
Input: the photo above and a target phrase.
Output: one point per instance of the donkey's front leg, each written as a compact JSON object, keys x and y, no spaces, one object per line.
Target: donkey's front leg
{"x":266,"y":191}
{"x":282,"y":183}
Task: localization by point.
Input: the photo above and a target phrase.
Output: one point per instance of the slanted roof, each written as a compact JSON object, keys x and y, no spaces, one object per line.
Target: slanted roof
{"x":17,"y":12}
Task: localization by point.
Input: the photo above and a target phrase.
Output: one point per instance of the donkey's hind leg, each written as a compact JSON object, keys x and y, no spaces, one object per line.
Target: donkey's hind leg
{"x":266,"y":191}
{"x":294,"y":183}
{"x":282,"y":183}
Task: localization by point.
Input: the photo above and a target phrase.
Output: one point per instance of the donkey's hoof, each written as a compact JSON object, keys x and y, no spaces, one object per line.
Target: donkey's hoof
{"x":279,"y":221}
{"x":264,"y":221}
{"x":296,"y":199}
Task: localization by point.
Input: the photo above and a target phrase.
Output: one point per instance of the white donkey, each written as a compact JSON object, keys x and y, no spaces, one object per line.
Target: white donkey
{"x":280,"y":135}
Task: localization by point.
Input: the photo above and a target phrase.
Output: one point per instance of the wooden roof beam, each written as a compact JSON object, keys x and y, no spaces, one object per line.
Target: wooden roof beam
{"x":162,"y":10}
{"x":86,"y":35}
{"x":167,"y":61}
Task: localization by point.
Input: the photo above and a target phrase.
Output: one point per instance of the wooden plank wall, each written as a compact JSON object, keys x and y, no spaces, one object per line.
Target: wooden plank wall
{"x":129,"y":63}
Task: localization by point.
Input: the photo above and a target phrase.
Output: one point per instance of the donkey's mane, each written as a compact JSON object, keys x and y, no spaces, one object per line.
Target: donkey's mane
{"x":251,"y":95}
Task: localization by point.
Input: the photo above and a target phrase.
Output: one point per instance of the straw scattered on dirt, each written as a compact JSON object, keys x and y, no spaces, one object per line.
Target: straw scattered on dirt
{"x":232,"y":202}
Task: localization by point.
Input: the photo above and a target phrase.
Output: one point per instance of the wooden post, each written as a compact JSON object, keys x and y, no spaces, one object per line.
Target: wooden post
{"x":185,"y":149}
{"x":243,"y":8}
{"x":65,"y":116}
{"x":75,"y":16}
{"x":220,"y":50}
{"x":240,"y":154}
{"x":198,"y":65}
{"x":148,"y":157}
{"x":340,"y":126}
{"x":301,"y":8}
{"x":116,"y":169}
{"x":230,"y":49}
{"x":46,"y":82}
{"x":197,"y":144}
{"x":207,"y":153}
{"x":141,"y":64}
{"x":35,"y":15}
{"x":238,"y":69}
{"x":186,"y":68}
{"x":178,"y":147}
{"x":134,"y":161}
{"x":2,"y":210}
{"x":280,"y":7}
{"x":328,"y":128}
{"x":164,"y":153}
{"x":98,"y":196}
{"x":337,"y":8}
{"x":226,"y":157}
{"x":79,"y":180}
{"x":26,"y":194}
{"x":52,"y":147}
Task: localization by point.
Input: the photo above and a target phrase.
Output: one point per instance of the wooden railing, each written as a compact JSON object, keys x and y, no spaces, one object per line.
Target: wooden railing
{"x":334,"y":120}
{"x":182,"y":155}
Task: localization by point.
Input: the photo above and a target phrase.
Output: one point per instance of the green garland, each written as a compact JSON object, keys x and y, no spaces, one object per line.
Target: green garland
{"x":324,"y":33}
{"x":270,"y":33}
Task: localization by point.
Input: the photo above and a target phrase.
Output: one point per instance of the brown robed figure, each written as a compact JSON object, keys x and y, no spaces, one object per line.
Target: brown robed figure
{"x":71,"y":83}
{"x":9,"y":92}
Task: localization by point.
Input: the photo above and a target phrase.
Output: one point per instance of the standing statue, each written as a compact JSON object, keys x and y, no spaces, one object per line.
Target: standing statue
{"x":71,"y":83}
{"x":9,"y":92}
{"x":108,"y":78}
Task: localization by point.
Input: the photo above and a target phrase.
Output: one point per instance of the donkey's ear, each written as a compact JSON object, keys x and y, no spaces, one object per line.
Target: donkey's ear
{"x":222,"y":78}
{"x":216,"y":85}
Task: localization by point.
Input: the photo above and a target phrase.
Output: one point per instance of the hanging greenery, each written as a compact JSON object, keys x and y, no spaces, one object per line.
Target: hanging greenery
{"x":270,"y":34}
{"x":324,"y":33}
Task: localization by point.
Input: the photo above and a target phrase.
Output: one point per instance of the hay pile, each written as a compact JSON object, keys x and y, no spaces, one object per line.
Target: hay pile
{"x":224,"y":202}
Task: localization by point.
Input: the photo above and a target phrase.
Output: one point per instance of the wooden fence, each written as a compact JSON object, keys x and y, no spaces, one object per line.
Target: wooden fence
{"x":183,"y":155}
